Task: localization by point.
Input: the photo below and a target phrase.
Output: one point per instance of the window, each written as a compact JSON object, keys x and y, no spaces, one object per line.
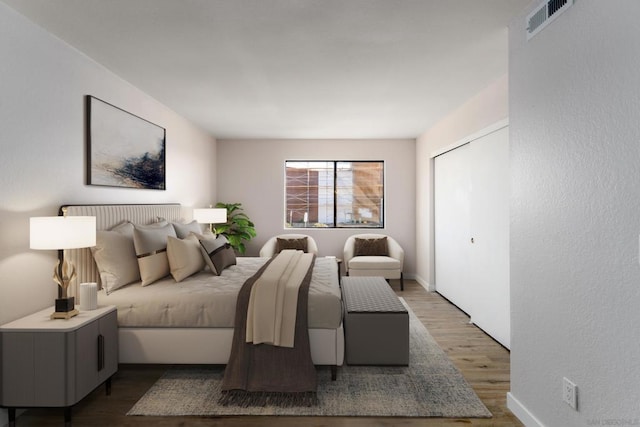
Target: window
{"x":336,"y":194}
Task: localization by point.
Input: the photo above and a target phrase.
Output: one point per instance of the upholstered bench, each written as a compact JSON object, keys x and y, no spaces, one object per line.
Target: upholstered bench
{"x":376,"y":324}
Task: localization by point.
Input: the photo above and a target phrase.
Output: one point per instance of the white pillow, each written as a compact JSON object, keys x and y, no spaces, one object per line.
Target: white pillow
{"x":184,"y":256}
{"x":151,"y":250}
{"x":115,"y":257}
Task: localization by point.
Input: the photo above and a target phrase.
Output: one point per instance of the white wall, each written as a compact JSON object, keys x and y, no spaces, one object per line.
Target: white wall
{"x":485,"y":109}
{"x":252,"y":172}
{"x":575,"y":215}
{"x":43,"y":82}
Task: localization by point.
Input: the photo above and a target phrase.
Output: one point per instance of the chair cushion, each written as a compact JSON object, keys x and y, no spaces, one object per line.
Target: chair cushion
{"x":374,"y":263}
{"x":370,"y":247}
{"x":298,"y":244}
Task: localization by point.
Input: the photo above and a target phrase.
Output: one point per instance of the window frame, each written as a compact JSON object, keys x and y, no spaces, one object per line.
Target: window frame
{"x":335,"y":225}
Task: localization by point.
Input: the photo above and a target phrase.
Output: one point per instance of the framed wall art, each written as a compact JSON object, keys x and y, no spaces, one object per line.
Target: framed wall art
{"x":123,"y":150}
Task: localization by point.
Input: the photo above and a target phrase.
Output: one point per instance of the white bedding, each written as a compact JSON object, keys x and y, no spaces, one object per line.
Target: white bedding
{"x":208,"y":301}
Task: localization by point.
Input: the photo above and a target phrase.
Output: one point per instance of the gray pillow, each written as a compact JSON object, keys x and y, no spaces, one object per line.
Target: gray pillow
{"x":183,"y":230}
{"x":151,"y":250}
{"x":217,"y":253}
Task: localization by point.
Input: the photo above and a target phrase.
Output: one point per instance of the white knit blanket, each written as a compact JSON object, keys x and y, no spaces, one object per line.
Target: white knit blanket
{"x":271,"y":315}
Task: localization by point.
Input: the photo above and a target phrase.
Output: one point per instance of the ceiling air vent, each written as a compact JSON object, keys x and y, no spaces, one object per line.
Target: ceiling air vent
{"x":544,"y":15}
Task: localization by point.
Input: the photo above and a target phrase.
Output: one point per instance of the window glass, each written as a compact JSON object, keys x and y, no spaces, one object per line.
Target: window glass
{"x":334,"y":194}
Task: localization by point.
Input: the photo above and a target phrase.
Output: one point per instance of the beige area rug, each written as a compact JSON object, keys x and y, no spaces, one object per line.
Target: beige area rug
{"x":431,"y":386}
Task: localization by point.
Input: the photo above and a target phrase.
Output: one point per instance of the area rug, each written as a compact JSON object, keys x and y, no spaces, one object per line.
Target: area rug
{"x":431,"y":386}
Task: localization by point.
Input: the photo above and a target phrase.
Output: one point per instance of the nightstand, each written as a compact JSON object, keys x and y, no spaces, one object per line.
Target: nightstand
{"x":55,"y":363}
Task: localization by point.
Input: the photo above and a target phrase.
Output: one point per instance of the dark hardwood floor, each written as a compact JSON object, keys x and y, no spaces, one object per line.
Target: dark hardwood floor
{"x":483,"y":362}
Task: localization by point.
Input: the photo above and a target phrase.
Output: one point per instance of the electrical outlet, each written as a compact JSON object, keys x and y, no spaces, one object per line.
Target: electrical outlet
{"x":570,"y":393}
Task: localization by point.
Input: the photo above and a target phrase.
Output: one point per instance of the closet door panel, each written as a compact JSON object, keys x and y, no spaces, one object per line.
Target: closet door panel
{"x":452,"y":182}
{"x":471,"y":208}
{"x":489,"y":257}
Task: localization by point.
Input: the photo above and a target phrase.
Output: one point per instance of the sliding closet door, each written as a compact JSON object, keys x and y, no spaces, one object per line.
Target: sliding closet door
{"x":452,"y":217}
{"x":490,"y":232}
{"x":471,"y":208}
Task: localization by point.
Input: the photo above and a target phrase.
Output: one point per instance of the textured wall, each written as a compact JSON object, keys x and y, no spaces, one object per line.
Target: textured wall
{"x":575,"y":214}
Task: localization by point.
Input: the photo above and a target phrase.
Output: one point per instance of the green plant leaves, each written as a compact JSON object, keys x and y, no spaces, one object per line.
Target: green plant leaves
{"x":238,"y":228}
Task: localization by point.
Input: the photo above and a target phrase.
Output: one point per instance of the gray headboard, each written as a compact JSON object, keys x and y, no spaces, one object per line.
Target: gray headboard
{"x":108,"y":216}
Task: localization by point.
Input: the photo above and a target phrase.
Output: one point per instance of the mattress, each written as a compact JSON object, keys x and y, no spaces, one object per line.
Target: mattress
{"x":207,"y":301}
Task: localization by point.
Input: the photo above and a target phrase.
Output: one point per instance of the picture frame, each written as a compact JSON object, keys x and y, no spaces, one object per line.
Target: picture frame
{"x":123,"y":150}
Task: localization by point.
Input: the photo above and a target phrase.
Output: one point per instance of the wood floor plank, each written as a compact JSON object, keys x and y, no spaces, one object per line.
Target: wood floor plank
{"x":483,"y":362}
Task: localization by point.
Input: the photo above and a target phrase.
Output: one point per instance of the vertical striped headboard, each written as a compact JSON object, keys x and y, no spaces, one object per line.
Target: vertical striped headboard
{"x":108,"y":216}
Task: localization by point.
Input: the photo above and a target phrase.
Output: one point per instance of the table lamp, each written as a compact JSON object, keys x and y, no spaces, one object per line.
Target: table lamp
{"x":59,"y":233}
{"x":210,"y":216}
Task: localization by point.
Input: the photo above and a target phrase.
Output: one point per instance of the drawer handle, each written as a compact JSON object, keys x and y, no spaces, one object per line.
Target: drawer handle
{"x":100,"y":352}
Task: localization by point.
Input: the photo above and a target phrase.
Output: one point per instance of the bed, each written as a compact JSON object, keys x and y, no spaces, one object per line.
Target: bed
{"x":191,"y":321}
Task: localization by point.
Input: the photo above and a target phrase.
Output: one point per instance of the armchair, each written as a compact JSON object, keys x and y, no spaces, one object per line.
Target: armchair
{"x":270,"y":247}
{"x":365,"y":263}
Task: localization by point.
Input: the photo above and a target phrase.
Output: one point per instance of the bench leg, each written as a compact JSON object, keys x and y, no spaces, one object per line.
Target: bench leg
{"x":334,"y":372}
{"x":12,"y":417}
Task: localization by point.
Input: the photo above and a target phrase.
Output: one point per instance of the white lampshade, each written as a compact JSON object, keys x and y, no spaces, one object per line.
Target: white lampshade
{"x":210,"y":215}
{"x":62,"y":232}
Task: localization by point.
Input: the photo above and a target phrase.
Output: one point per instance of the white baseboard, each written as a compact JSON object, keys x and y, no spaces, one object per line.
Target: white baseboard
{"x":425,"y":284}
{"x":521,"y":412}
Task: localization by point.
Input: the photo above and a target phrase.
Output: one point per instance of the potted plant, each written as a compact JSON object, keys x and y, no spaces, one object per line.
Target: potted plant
{"x":238,"y":228}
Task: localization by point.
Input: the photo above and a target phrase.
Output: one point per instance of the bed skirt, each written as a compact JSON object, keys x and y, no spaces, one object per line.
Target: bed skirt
{"x":210,"y":345}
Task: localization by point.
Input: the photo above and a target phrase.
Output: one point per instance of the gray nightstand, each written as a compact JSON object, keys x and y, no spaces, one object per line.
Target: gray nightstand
{"x":55,"y":363}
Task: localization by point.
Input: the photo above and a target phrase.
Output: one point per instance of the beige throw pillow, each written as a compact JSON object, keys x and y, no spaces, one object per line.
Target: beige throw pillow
{"x":184,"y":256}
{"x":115,"y":257}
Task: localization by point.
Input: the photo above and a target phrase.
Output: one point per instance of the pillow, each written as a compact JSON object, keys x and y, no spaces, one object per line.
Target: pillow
{"x":183,"y":230}
{"x":284,"y":243}
{"x":115,"y":257}
{"x":151,"y":249}
{"x":371,"y":247}
{"x":217,"y":253}
{"x":184,"y":256}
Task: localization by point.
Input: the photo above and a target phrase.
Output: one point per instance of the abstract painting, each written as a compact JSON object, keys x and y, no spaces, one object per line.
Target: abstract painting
{"x":123,"y":150}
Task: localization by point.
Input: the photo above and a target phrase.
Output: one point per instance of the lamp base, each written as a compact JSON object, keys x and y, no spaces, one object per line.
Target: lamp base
{"x":65,"y":308}
{"x":64,"y":305}
{"x":64,"y":314}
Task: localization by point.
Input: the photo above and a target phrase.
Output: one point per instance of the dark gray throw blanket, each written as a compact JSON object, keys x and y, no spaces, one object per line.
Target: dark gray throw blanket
{"x":260,"y":375}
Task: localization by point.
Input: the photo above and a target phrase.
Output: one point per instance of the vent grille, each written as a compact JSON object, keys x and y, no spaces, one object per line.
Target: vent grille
{"x":544,"y":14}
{"x":555,"y":5}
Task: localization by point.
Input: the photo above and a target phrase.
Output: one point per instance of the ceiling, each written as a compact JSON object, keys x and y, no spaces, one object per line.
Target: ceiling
{"x":293,"y":68}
